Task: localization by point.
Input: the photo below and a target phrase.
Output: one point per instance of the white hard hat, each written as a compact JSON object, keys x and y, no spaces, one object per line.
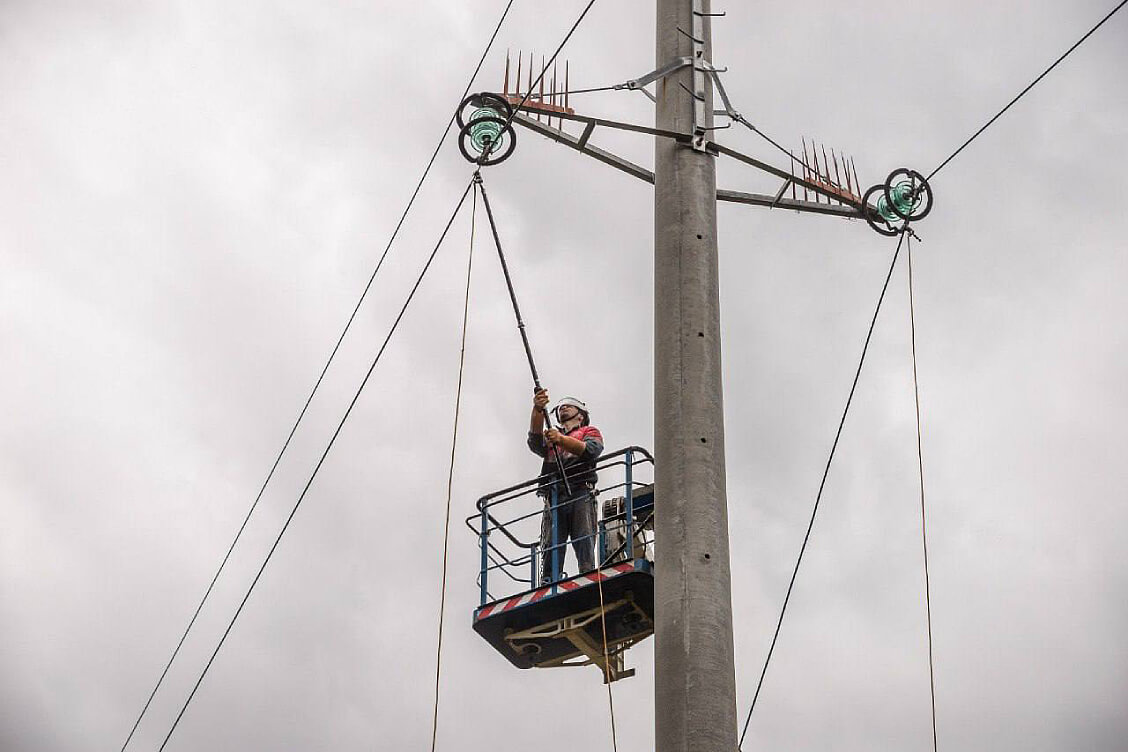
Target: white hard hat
{"x":569,"y":401}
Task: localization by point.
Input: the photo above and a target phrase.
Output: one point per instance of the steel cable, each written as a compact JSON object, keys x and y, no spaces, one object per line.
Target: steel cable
{"x":743,"y":121}
{"x":320,"y":462}
{"x":485,"y":155}
{"x":316,"y":386}
{"x":822,"y":485}
{"x":1028,"y":88}
{"x":747,"y":124}
{"x":577,"y":91}
{"x":450,"y":475}
{"x":544,"y":70}
{"x":606,"y":663}
{"x":920,"y":467}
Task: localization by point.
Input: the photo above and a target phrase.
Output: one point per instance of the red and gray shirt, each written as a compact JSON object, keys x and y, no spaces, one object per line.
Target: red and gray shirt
{"x":580,"y":470}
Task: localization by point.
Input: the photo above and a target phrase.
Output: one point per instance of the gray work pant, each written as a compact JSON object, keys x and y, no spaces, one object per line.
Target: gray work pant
{"x":575,"y":519}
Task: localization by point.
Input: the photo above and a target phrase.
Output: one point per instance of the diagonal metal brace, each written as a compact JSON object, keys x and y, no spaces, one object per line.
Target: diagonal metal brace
{"x":581,"y":145}
{"x":674,"y":65}
{"x":714,"y":73}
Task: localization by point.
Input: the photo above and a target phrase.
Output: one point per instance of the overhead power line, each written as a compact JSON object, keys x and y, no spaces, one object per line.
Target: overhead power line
{"x":923,"y":516}
{"x":450,"y":474}
{"x":317,"y":384}
{"x":822,"y":485}
{"x":830,"y":459}
{"x":1028,"y":88}
{"x":321,"y":461}
{"x":544,"y":70}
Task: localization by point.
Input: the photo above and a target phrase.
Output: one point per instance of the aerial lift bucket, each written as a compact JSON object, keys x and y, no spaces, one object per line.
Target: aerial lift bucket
{"x":562,"y":621}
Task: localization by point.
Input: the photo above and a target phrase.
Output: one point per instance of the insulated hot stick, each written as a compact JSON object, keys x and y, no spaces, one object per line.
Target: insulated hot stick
{"x":520,"y":323}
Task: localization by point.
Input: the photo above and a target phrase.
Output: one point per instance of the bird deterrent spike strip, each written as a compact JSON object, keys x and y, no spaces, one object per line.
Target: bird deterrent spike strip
{"x":905,"y":197}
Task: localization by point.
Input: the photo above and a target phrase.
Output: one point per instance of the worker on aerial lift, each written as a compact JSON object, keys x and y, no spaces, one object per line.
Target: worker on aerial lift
{"x":578,"y":444}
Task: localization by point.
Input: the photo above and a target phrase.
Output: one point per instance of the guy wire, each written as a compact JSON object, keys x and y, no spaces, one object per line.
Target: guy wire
{"x":450,"y":475}
{"x":316,"y":386}
{"x":920,"y":467}
{"x":320,"y":462}
{"x":822,"y":486}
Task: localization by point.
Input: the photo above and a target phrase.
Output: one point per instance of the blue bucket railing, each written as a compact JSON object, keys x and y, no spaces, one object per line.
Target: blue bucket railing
{"x":505,"y":518}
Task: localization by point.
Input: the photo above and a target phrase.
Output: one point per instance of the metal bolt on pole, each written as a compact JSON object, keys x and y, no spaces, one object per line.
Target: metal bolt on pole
{"x":695,"y":684}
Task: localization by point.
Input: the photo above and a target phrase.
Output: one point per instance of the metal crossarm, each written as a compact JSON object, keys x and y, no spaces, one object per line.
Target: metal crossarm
{"x":847,"y":209}
{"x":592,"y":122}
{"x":829,"y":192}
{"x":811,"y":207}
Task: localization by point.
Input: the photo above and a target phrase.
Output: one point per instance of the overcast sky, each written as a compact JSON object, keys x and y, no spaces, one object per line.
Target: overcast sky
{"x":193,"y":194}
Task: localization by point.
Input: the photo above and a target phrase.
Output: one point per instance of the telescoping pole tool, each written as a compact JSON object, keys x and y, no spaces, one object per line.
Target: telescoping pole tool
{"x":520,"y":324}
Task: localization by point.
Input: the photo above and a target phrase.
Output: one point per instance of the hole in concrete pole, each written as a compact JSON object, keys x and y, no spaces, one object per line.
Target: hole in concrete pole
{"x":699,"y":237}
{"x":702,"y":439}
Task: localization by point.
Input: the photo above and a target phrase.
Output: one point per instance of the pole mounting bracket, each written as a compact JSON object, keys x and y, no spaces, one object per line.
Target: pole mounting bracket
{"x":639,"y":84}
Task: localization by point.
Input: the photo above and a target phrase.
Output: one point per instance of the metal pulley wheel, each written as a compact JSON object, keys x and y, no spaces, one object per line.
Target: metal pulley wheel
{"x":880,"y":221}
{"x":905,"y":197}
{"x":907,"y":194}
{"x":485,"y":135}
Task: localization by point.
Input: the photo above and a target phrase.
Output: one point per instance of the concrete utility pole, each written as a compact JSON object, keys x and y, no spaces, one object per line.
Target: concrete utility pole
{"x":694,"y":675}
{"x":695,"y":683}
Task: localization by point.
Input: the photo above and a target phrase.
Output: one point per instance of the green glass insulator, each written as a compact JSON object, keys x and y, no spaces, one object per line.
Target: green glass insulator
{"x":905,"y":197}
{"x":884,"y":210}
{"x":483,"y":134}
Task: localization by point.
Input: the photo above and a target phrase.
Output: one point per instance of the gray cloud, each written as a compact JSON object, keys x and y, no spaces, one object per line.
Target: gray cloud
{"x":194,"y":194}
